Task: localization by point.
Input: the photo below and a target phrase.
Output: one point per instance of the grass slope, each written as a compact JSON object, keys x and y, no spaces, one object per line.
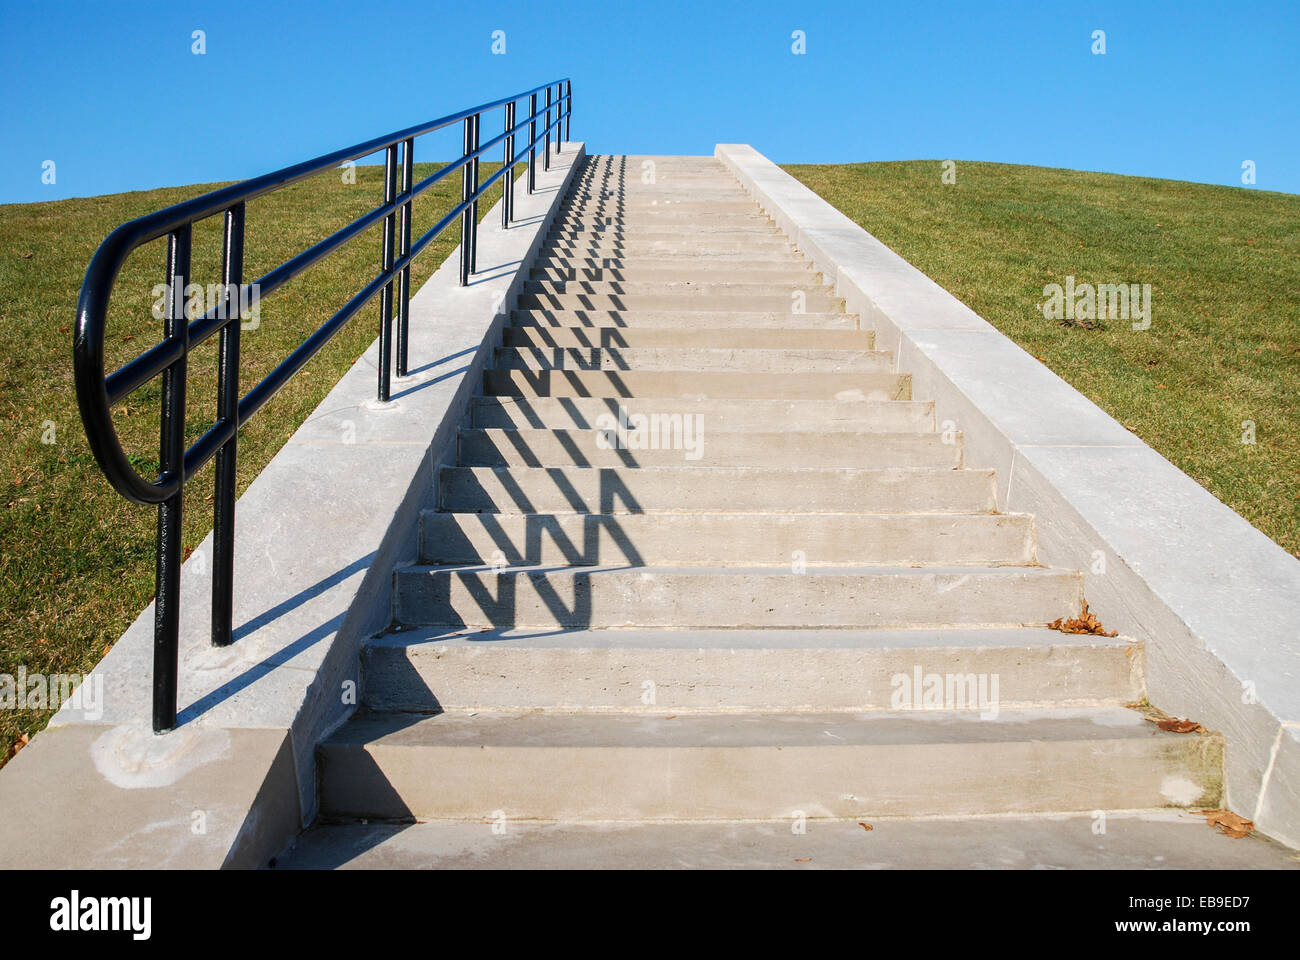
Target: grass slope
{"x":1224,"y":267}
{"x":76,"y":559}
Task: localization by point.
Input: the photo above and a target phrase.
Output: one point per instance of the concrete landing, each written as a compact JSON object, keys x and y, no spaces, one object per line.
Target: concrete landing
{"x":1146,"y":841}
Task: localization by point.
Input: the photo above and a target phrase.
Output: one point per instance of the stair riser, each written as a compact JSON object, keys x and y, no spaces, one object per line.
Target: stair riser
{"x":688,"y":339}
{"x":704,"y":359}
{"x":721,"y":385}
{"x":772,"y":259}
{"x":678,"y":246}
{"x":694,"y":274}
{"x":676,"y":287}
{"x":717,"y":783}
{"x":580,"y":413}
{"x":647,"y":206}
{"x":695,"y":319}
{"x":655,"y":681}
{"x":642,"y":597}
{"x":681,"y":440}
{"x":780,"y":540}
{"x":686,"y":302}
{"x":632,"y":490}
{"x":663,"y":219}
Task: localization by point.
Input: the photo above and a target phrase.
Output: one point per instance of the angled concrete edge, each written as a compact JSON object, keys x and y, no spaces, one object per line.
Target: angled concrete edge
{"x":318,"y":534}
{"x":1215,"y":600}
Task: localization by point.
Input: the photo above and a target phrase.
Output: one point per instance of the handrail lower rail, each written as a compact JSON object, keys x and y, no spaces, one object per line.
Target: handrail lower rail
{"x":97,"y":392}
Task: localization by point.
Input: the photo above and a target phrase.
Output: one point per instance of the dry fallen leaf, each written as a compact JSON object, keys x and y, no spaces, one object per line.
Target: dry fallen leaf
{"x":864,"y":826}
{"x":18,"y":744}
{"x":1229,"y":824}
{"x":1174,"y":725}
{"x":1084,"y":623}
{"x":803,"y":859}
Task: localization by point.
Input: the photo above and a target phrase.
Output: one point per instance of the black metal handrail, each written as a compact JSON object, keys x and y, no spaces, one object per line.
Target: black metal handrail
{"x":97,"y":393}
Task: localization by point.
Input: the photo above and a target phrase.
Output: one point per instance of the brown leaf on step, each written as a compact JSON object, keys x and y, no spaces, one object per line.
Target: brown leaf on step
{"x":1229,"y":824}
{"x":803,"y":859}
{"x":1174,"y":725}
{"x":864,"y":826}
{"x":1084,"y":623}
{"x":673,"y":717}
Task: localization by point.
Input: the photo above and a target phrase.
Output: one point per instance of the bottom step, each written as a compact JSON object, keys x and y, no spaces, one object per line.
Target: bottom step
{"x":609,"y":766}
{"x":1160,"y":840}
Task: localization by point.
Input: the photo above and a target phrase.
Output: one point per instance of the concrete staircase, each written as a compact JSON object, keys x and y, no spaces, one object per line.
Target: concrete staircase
{"x":702,"y":556}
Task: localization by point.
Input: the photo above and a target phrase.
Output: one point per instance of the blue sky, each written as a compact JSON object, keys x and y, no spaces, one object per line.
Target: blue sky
{"x":112,"y":93}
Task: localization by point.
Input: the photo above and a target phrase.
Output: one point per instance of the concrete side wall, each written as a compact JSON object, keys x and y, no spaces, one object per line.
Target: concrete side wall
{"x":1216,"y":601}
{"x":318,"y":535}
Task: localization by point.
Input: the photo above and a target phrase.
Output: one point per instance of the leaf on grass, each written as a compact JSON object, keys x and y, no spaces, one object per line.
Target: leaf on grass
{"x":1084,"y":623}
{"x":18,"y":744}
{"x":865,"y":826}
{"x":1174,"y":725}
{"x":1229,"y":824}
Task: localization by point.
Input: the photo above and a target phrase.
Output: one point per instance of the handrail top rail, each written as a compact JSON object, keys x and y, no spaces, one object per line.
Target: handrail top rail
{"x":151,"y":226}
{"x":92,"y":386}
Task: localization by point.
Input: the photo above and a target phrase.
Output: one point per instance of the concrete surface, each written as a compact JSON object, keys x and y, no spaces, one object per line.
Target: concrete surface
{"x":1132,"y":841}
{"x":1215,"y":600}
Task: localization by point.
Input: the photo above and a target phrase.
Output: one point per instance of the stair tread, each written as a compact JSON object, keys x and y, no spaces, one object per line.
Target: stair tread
{"x":549,"y":729}
{"x":741,"y":638}
{"x":738,"y":570}
{"x":1151,"y":840}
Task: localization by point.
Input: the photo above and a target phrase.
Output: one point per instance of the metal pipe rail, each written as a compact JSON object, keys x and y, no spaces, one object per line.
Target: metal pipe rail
{"x":97,"y":392}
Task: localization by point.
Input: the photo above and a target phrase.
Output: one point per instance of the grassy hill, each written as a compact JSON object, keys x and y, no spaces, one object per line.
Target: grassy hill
{"x":77,"y":560}
{"x":1224,"y":268}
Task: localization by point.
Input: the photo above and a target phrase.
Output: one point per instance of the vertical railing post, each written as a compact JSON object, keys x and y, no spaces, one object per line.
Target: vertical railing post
{"x":171,"y":462}
{"x":559,"y":117}
{"x":508,"y":181}
{"x":466,"y":218}
{"x":223,"y":497}
{"x":546,"y":154}
{"x":386,"y":267}
{"x":404,"y":248}
{"x":568,"y":109}
{"x":532,"y":142}
{"x":473,"y":218}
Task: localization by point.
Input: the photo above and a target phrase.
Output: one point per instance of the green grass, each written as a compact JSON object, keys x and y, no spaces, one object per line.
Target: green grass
{"x":1224,"y":267}
{"x":76,"y":559}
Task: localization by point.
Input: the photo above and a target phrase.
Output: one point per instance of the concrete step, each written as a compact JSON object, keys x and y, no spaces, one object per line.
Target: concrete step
{"x":748,"y":319}
{"x":630,"y":490}
{"x":667,"y":259}
{"x":704,"y":671}
{"x":683,"y":203}
{"x":582,"y":413}
{"x":678,"y":287}
{"x":771,"y":273}
{"x":733,"y":596}
{"x":697,"y":385}
{"x":1139,"y":840}
{"x":687,"y":338}
{"x":710,"y":247}
{"x":676,"y":439}
{"x":748,"y":539}
{"x":585,"y":767}
{"x":666,"y":233}
{"x":817,"y":302}
{"x":683,"y":359}
{"x":663,"y":219}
